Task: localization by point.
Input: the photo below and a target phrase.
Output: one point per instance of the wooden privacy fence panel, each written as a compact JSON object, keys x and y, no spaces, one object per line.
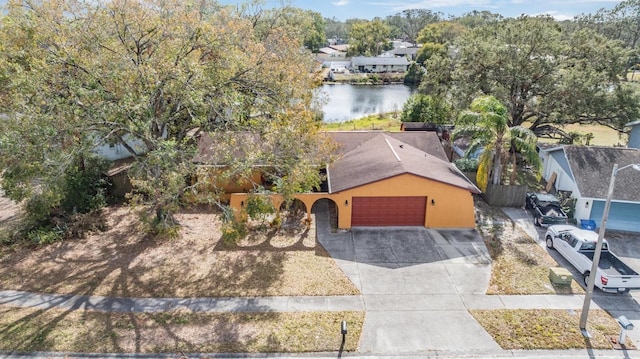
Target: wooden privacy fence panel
{"x":505,"y":196}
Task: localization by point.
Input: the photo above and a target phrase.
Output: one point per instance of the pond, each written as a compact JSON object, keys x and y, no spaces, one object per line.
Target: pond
{"x":346,"y":102}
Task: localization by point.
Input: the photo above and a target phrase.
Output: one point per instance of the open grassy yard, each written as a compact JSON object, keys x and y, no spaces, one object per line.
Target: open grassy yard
{"x":122,"y":262}
{"x":386,"y":122}
{"x":602,"y":135}
{"x":520,"y":265}
{"x":548,"y":329}
{"x":94,"y":332}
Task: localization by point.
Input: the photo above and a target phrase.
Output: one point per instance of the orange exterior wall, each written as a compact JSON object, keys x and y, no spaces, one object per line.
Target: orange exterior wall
{"x":237,"y":201}
{"x":452,"y":208}
{"x":210,"y":175}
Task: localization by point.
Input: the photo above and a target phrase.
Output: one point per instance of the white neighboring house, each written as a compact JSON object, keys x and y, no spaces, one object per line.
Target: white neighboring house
{"x":379,"y":64}
{"x":118,"y":151}
{"x":339,"y":67}
{"x":585,"y":171}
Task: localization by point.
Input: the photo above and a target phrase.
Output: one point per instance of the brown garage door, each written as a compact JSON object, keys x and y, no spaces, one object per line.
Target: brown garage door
{"x":388,"y":211}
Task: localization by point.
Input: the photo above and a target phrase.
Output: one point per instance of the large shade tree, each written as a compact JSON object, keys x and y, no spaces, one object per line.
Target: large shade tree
{"x":74,"y":74}
{"x":546,"y":78}
{"x":426,"y":108}
{"x":408,"y":23}
{"x":622,"y":23}
{"x":369,"y":38}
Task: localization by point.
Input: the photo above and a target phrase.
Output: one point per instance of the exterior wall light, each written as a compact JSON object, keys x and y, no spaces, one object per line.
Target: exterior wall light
{"x":433,"y":202}
{"x":346,"y":202}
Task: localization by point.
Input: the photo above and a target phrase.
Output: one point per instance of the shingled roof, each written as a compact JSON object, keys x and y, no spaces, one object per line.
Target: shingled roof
{"x":424,"y":141}
{"x":382,"y":156}
{"x":592,"y":166}
{"x":223,"y":148}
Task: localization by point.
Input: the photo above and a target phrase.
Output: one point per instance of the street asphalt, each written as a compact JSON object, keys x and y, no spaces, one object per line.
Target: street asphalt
{"x":417,"y":286}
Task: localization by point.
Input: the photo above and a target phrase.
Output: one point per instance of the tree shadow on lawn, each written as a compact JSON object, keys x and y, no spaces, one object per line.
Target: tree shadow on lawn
{"x":122,"y":262}
{"x":95,"y":332}
{"x":119,"y":268}
{"x":271,"y":240}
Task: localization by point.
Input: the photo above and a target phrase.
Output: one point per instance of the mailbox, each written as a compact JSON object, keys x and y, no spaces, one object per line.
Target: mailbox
{"x":624,"y":323}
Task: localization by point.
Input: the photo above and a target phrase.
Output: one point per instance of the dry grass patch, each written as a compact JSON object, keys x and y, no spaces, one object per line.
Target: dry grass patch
{"x":123,"y":262}
{"x":386,"y":122}
{"x":94,"y":332}
{"x":547,"y":329}
{"x":520,"y":265}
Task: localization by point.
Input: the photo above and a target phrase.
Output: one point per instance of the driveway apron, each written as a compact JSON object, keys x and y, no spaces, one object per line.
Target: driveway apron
{"x":415,"y":282}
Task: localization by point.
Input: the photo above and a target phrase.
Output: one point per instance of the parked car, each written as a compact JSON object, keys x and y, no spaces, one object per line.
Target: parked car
{"x":578,"y":247}
{"x":546,"y":209}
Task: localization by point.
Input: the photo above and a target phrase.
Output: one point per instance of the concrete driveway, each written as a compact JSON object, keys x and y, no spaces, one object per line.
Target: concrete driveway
{"x":417,"y":284}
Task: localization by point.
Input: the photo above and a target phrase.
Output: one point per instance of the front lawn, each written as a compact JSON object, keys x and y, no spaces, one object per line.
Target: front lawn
{"x":122,"y":262}
{"x":547,"y":329}
{"x":27,"y":330}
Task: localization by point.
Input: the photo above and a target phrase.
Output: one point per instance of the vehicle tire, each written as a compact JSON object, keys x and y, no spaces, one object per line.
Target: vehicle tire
{"x":549,"y":242}
{"x":585,"y":278}
{"x":536,"y":221}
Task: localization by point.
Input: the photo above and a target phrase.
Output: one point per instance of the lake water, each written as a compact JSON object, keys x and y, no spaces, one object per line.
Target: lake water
{"x":346,"y":102}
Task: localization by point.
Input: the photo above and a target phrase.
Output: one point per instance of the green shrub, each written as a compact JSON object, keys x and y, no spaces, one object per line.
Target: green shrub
{"x":374,"y":78}
{"x":45,"y":235}
{"x":84,"y":187}
{"x":466,"y":164}
{"x":259,"y":207}
{"x":232,"y":232}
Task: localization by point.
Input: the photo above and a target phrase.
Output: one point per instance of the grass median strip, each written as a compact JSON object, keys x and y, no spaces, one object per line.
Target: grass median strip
{"x":547,"y":329}
{"x":27,"y":329}
{"x":519,"y":264}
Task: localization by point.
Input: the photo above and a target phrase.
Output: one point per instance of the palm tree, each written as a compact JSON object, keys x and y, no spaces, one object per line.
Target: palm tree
{"x":487,"y":124}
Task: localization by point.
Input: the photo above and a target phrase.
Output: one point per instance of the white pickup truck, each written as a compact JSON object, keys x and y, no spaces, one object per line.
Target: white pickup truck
{"x":578,"y":246}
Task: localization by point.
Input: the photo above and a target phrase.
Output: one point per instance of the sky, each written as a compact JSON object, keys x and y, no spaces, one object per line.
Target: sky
{"x":368,"y":9}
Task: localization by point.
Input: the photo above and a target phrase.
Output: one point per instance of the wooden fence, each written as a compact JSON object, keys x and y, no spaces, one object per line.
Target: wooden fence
{"x":505,"y":196}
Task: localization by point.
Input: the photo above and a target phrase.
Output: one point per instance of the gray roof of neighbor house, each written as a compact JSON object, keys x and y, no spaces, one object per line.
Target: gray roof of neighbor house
{"x":340,"y":47}
{"x":592,"y":167}
{"x":424,"y":141}
{"x":223,"y":148}
{"x":366,"y":61}
{"x":384,"y":156}
{"x":328,"y":50}
{"x":403,"y":51}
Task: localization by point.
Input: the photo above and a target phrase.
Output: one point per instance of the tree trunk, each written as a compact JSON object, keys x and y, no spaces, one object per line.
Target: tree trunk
{"x":512,"y":180}
{"x":497,"y":164}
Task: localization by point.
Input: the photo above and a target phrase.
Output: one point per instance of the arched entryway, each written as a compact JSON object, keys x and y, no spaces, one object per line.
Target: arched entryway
{"x":293,"y":213}
{"x":325,"y":211}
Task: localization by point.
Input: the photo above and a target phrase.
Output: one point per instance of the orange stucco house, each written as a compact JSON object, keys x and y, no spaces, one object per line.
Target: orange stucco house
{"x":391,"y":179}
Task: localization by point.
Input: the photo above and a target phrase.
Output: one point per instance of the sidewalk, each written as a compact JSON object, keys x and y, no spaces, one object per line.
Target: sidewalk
{"x":304,"y":304}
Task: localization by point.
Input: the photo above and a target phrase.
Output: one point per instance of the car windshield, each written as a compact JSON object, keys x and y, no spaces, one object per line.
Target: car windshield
{"x":591,"y":246}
